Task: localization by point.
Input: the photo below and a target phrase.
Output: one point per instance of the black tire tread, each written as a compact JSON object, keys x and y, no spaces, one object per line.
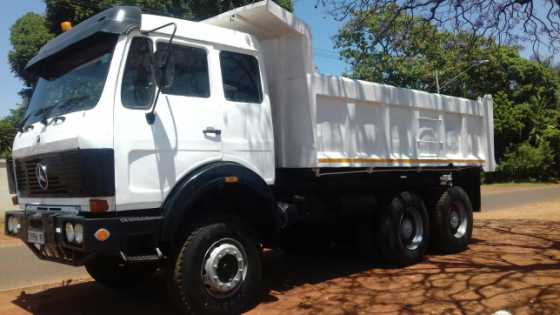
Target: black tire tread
{"x":176,"y":286}
{"x":442,"y":242}
{"x":388,"y":245}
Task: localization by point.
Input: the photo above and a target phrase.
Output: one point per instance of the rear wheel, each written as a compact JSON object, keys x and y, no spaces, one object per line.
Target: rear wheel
{"x":113,"y":273}
{"x":452,"y":221}
{"x":402,"y":230}
{"x":217,"y":269}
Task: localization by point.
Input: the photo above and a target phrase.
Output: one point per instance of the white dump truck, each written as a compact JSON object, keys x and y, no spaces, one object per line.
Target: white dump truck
{"x":154,"y":143}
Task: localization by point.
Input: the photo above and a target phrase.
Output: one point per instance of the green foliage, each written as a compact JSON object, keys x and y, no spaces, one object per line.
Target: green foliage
{"x":8,"y":130}
{"x":27,"y":35}
{"x":526,"y":93}
{"x":528,"y":162}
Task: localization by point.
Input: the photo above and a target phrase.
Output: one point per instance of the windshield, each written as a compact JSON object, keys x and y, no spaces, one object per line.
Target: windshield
{"x":74,"y":82}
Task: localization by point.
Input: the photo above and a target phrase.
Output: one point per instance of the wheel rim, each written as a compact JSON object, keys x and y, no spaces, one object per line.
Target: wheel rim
{"x":458,"y":221}
{"x":411,"y":229}
{"x":224,"y":268}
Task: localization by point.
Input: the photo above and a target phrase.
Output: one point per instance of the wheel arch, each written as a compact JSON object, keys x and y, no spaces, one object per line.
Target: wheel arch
{"x":230,"y":185}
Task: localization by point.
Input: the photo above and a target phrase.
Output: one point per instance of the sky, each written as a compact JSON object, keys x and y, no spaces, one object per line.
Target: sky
{"x":10,"y":85}
{"x":323,"y":28}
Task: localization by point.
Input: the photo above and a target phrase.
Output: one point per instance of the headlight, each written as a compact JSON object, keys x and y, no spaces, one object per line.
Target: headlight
{"x":69,"y":231}
{"x":78,"y":234}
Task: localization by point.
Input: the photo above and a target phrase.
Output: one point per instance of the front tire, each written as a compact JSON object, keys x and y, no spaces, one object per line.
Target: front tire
{"x":217,"y":269}
{"x":452,"y":221}
{"x":111,"y":272}
{"x":402,"y":232}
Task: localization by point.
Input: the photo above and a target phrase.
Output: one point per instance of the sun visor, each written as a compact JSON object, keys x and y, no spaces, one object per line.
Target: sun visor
{"x":117,"y":20}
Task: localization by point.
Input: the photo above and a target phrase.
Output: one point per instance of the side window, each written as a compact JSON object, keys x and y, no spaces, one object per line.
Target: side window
{"x":242,"y":80}
{"x":191,"y":71}
{"x":138,"y":85}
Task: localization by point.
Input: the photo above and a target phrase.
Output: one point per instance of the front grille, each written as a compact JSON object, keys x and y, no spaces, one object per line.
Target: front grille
{"x":63,"y":171}
{"x":76,"y":173}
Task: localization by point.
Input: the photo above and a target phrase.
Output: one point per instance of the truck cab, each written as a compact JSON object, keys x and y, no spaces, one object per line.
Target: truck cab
{"x":86,"y":123}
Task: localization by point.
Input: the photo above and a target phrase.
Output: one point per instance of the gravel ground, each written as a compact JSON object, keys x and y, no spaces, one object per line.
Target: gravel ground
{"x":512,"y":264}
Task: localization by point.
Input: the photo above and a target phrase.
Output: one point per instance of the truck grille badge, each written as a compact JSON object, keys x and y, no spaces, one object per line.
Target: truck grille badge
{"x":41,"y":175}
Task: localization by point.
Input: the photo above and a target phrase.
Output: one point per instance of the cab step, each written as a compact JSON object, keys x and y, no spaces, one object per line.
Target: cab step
{"x":143,"y":258}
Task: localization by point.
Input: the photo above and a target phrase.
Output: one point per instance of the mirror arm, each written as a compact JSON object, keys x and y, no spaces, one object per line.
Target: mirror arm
{"x":151,"y":116}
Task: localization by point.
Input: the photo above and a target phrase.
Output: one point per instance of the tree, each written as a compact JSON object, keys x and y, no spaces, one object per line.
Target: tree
{"x":28,"y":34}
{"x":8,"y":130}
{"x":505,"y":21}
{"x":32,"y":31}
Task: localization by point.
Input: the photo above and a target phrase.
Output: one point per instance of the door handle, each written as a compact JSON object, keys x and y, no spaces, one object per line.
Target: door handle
{"x":209,"y":130}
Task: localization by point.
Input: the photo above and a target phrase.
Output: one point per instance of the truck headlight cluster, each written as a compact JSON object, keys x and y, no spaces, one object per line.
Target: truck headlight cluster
{"x":13,"y":225}
{"x":74,"y":233}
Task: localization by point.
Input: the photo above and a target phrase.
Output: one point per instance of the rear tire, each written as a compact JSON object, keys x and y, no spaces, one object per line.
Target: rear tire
{"x":452,"y":221}
{"x":402,"y":230}
{"x":111,"y":272}
{"x":217,"y":269}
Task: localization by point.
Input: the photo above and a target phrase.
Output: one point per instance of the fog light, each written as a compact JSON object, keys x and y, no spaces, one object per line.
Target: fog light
{"x":11,"y":224}
{"x":69,"y":231}
{"x":17,"y":225}
{"x":78,"y":234}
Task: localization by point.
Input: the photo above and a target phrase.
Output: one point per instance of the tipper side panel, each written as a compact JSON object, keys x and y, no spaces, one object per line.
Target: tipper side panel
{"x":374,"y":125}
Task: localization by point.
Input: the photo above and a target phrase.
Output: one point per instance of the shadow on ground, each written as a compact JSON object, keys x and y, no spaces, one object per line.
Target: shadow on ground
{"x":512,"y":265}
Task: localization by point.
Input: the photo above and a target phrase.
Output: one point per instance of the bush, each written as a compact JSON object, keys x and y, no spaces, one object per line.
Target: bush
{"x":527,"y":162}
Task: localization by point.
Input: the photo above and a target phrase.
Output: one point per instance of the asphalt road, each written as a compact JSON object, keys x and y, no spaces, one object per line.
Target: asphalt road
{"x":19,"y":268}
{"x":514,"y":198}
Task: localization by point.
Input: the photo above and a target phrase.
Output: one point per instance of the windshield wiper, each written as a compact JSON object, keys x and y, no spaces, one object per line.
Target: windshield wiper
{"x":59,"y":105}
{"x":44,"y":112}
{"x":21,"y":127}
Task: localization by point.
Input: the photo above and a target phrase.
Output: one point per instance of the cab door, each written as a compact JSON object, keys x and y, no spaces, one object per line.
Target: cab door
{"x":186,"y":133}
{"x":248,"y":137}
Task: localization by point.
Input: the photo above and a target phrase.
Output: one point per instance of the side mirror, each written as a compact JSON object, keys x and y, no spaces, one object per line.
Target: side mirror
{"x":164,"y":64}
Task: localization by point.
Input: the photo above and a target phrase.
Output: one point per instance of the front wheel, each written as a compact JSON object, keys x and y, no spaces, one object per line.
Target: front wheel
{"x":217,"y":269}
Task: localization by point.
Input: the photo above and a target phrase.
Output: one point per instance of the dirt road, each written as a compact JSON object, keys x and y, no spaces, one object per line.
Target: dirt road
{"x":513,"y":263}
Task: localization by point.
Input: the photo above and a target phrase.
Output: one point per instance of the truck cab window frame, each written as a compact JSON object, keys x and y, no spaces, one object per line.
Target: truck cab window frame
{"x":192,"y":70}
{"x":241,"y":77}
{"x":138,"y":84}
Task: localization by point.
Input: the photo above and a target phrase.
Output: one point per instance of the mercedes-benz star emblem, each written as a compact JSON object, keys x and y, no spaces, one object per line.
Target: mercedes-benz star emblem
{"x":41,"y":175}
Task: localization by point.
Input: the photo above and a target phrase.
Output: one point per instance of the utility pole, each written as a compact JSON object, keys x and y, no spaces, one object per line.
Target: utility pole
{"x":436,"y":73}
{"x":475,"y":63}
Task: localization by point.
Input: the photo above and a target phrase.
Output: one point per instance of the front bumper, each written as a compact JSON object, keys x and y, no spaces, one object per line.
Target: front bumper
{"x":129,"y":235}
